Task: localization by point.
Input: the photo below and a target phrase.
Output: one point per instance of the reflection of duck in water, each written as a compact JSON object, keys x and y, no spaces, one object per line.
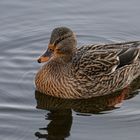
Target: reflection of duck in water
{"x":92,"y":70}
{"x":59,"y":126}
{"x":61,"y":114}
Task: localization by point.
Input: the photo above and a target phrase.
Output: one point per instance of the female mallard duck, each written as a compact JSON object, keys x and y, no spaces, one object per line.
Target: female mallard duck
{"x":89,"y":71}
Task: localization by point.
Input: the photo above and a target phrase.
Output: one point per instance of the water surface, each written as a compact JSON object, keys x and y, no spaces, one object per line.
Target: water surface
{"x":25,"y":28}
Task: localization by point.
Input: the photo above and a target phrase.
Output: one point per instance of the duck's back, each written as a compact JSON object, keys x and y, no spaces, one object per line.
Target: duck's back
{"x":104,"y":58}
{"x":103,"y":68}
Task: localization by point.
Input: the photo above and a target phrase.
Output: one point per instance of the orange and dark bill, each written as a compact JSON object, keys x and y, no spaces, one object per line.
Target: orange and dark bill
{"x":45,"y":57}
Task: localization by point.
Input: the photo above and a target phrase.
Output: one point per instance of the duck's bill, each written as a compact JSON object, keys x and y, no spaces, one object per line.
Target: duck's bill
{"x":45,"y":57}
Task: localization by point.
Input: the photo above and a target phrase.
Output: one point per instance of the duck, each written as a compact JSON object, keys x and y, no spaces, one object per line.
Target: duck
{"x":88,"y":71}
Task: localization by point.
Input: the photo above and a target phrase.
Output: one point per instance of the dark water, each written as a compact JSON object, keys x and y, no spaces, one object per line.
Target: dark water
{"x":25,"y":27}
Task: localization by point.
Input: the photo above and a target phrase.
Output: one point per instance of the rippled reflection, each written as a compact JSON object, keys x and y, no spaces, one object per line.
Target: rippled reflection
{"x":59,"y":126}
{"x":61,"y":109}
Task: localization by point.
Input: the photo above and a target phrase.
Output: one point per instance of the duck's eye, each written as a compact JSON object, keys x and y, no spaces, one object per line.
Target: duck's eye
{"x":51,"y":50}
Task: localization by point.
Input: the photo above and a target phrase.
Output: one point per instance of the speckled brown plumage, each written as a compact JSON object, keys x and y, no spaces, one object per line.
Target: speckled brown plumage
{"x":92,"y":70}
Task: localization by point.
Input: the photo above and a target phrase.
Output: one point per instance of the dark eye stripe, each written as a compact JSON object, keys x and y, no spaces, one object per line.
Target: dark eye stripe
{"x":62,"y":38}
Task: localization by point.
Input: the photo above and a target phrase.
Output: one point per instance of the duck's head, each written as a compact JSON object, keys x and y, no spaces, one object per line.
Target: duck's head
{"x":62,"y":45}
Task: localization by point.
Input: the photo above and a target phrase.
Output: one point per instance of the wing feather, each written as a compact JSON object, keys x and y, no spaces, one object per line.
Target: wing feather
{"x":95,"y":60}
{"x":98,"y":62}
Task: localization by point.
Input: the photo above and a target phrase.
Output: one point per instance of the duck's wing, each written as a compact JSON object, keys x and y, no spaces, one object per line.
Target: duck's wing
{"x":128,"y":56}
{"x":95,"y":62}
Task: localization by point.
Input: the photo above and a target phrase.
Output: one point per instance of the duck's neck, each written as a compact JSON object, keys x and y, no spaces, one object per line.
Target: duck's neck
{"x":57,"y":67}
